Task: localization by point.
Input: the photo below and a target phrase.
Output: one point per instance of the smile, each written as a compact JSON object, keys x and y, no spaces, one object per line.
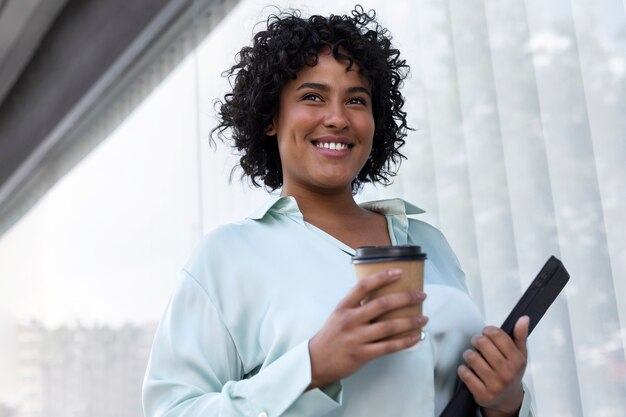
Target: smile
{"x":333,"y":146}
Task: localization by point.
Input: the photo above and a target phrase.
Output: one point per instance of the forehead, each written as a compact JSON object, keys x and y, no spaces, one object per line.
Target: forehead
{"x":327,"y":67}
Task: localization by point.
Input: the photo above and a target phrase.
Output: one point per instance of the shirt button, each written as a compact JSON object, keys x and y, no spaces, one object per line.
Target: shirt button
{"x":263,"y":414}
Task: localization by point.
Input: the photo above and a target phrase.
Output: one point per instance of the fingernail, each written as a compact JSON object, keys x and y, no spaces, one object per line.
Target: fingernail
{"x":490,"y":331}
{"x":394,"y":272}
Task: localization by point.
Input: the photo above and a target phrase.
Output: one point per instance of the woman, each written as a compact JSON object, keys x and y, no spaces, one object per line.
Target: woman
{"x":267,"y":319}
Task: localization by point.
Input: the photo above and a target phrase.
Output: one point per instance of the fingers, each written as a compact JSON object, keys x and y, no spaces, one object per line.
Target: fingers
{"x":384,"y":329}
{"x":473,"y":382}
{"x":385,"y":347}
{"x":495,"y":343}
{"x":381,"y":305}
{"x":520,"y":333}
{"x":494,"y":370}
{"x":496,"y":358}
{"x":366,"y":285}
{"x":357,"y":332}
{"x":488,"y":353}
{"x":481,"y":367}
{"x":496,"y":354}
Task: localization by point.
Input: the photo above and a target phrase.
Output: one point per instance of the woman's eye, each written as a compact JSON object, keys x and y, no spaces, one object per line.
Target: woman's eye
{"x":357,"y":100}
{"x":311,"y":97}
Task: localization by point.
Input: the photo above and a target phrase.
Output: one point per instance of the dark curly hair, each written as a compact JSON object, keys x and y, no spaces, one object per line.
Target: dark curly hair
{"x":277,"y":54}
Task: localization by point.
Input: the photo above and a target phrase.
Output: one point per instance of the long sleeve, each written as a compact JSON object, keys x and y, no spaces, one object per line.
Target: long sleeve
{"x":195,"y":369}
{"x":526,"y":410}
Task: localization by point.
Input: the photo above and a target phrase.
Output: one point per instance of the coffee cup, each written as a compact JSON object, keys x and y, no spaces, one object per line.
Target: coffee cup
{"x":410,"y":259}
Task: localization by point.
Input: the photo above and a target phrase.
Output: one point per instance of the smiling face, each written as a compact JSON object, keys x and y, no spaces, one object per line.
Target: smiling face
{"x":324,"y":128}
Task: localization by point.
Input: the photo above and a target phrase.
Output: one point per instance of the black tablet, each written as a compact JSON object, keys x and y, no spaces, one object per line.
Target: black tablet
{"x":534,"y":302}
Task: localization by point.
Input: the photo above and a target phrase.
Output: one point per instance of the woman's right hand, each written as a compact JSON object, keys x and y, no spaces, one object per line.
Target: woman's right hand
{"x":351,"y":337}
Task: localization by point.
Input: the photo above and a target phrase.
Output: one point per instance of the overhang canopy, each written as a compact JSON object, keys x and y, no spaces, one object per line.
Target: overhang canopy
{"x":63,"y":66}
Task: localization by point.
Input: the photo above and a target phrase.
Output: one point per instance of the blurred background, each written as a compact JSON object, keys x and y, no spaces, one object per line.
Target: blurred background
{"x":108,"y":179}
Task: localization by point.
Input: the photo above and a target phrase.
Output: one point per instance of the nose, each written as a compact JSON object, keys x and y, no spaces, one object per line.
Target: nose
{"x":336,"y":117}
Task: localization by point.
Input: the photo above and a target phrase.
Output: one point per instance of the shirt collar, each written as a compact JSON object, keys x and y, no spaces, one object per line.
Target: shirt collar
{"x":392,"y":207}
{"x":288,"y":204}
{"x":281,"y":204}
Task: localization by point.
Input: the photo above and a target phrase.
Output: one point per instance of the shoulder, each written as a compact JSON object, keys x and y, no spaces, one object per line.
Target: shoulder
{"x":231,"y":234}
{"x":224,"y":248}
{"x":444,"y":264}
{"x":428,"y":236}
{"x":419,"y":226}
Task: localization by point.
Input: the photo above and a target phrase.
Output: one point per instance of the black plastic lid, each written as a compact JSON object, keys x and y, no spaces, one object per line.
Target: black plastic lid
{"x":371,"y":254}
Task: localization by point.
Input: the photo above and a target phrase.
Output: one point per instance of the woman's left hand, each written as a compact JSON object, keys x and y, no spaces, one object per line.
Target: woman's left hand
{"x":495,"y":368}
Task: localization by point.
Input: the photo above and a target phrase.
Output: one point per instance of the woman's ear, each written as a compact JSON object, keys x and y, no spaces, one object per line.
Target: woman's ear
{"x":270,"y":130}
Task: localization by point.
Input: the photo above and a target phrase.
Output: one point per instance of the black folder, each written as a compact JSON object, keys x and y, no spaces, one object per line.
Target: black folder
{"x":534,"y":302}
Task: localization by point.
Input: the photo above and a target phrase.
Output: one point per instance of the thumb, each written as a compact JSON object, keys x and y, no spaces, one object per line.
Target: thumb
{"x":520,"y":333}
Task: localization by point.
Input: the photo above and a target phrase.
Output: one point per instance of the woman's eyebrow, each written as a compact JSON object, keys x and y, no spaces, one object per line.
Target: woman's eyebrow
{"x":314,"y":86}
{"x":326,"y":88}
{"x":359,"y":89}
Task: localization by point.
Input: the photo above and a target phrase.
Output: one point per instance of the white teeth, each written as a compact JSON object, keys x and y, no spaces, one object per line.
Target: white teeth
{"x":333,"y":146}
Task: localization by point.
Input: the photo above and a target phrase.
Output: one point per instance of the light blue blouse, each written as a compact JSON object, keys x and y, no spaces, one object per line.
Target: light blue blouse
{"x":233,"y":340}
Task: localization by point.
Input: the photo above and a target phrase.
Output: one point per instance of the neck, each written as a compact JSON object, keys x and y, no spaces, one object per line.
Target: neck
{"x":337,"y":214}
{"x":325,"y":205}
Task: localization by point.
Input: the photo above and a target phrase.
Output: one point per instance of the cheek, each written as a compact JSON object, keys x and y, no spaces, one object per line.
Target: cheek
{"x":366,"y":130}
{"x":296,"y":122}
{"x":365,"y":124}
{"x":285,"y":148}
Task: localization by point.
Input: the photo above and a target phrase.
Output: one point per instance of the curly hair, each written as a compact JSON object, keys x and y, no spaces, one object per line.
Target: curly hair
{"x":276,"y":56}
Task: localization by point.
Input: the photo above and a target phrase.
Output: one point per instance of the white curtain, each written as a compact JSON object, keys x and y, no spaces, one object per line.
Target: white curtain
{"x":519,"y":154}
